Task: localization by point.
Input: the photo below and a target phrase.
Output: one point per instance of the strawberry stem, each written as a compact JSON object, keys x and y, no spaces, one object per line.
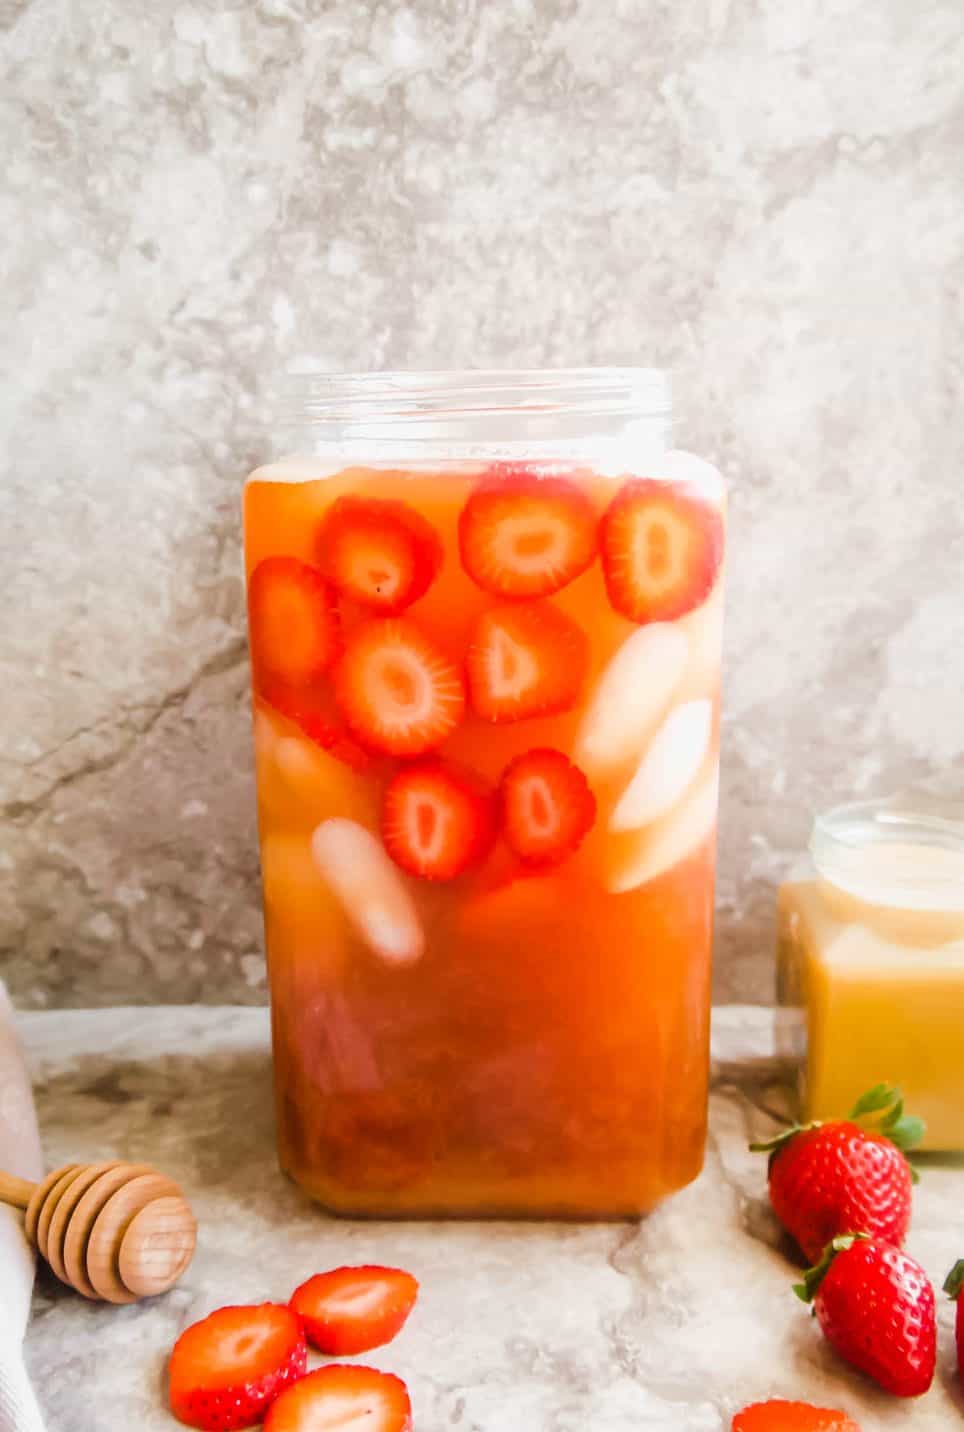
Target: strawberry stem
{"x":813,"y":1277}
{"x":954,"y":1281}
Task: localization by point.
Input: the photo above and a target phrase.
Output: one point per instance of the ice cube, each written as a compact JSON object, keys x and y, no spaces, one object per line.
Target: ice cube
{"x":631,"y":695}
{"x":370,"y":887}
{"x":669,"y":767}
{"x":639,"y":858}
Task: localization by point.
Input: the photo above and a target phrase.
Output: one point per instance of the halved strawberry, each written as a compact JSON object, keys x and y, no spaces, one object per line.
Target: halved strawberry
{"x":352,"y":1310}
{"x":292,"y":622}
{"x":547,"y":806}
{"x":398,"y":692}
{"x":313,"y":709}
{"x":525,"y":659}
{"x":383,"y":553}
{"x":343,"y":1398}
{"x":661,"y":550}
{"x":522,"y":535}
{"x":227,"y":1369}
{"x":436,"y":820}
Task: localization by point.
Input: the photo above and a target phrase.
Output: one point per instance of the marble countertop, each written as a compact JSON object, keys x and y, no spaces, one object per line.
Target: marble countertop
{"x":667,"y":1324}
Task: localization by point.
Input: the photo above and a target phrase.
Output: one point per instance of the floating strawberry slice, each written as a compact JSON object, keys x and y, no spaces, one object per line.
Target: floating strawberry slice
{"x":525,"y":659}
{"x":661,"y":550}
{"x":522,"y":535}
{"x":292,"y":621}
{"x":547,"y":806}
{"x":436,"y":820}
{"x":384,"y":554}
{"x":313,"y":709}
{"x":342,"y":1398}
{"x":398,"y":692}
{"x":352,"y":1310}
{"x":227,"y":1369}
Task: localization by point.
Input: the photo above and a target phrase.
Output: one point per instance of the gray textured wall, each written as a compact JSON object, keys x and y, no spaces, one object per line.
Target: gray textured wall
{"x":765,"y":195}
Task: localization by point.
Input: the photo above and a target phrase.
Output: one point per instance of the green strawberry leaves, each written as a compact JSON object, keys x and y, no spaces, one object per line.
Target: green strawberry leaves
{"x":884,"y":1100}
{"x":954,"y":1282}
{"x":813,"y":1277}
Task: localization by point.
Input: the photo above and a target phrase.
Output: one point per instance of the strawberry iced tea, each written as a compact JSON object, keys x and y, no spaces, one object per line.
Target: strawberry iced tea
{"x":486,"y":721}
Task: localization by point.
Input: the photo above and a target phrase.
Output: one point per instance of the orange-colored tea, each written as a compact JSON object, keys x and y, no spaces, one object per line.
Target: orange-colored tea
{"x":486,"y":729}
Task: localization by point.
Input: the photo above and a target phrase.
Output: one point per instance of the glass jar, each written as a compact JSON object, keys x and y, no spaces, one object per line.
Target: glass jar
{"x":871,"y":960}
{"x":485,"y":615}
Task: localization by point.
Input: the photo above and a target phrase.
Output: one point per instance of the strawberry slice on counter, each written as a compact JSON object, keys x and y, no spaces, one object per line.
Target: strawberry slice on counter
{"x":382,"y":553}
{"x":292,"y":621}
{"x":875,"y":1306}
{"x":343,"y":1398}
{"x":525,"y":659}
{"x":227,"y":1369}
{"x":352,"y":1310}
{"x":661,"y":550}
{"x":437,"y":820}
{"x":547,"y":806}
{"x":521,"y":535}
{"x":397,"y":690}
{"x":779,"y":1416}
{"x":829,"y":1178}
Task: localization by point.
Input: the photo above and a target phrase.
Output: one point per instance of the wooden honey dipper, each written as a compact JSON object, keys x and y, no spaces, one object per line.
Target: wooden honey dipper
{"x":113,"y":1231}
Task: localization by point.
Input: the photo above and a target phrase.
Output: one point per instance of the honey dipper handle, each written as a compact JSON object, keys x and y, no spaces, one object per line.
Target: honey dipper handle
{"x":16,"y":1191}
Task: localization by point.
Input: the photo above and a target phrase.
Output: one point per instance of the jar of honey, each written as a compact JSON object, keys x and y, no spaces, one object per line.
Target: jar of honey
{"x":871,"y":957}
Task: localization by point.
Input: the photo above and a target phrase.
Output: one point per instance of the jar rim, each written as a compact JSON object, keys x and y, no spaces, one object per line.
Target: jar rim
{"x":893,"y":827}
{"x":649,"y":387}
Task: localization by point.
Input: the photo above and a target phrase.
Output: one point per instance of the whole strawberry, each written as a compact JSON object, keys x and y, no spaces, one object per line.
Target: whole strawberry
{"x":876,"y":1308}
{"x":842,"y":1177}
{"x":954,"y":1288}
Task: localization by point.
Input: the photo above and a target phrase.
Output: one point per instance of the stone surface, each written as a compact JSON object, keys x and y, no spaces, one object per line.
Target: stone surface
{"x":670,"y":1323}
{"x":765,"y":196}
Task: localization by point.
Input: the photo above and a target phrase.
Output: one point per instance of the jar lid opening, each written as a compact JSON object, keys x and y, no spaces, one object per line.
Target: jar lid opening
{"x":906,"y":851}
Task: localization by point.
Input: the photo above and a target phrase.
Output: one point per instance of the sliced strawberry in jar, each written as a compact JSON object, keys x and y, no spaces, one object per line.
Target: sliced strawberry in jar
{"x":437,"y":820}
{"x":661,"y":550}
{"x":547,"y":806}
{"x":343,"y":1398}
{"x":227,"y":1369}
{"x":352,"y":1310}
{"x":525,"y":659}
{"x":397,"y":690}
{"x":292,"y":622}
{"x":382,"y":553}
{"x":525,"y":535}
{"x":313,"y":709}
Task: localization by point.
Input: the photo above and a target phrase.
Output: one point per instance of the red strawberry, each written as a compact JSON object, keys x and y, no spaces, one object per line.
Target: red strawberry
{"x":875,"y":1305}
{"x":547,"y":806}
{"x":436,"y":820}
{"x":661,"y":550}
{"x":226,"y":1370}
{"x":384,"y":554}
{"x":352,"y":1310}
{"x":528,"y":659}
{"x":779,"y":1416}
{"x":292,"y":622}
{"x":522,"y":535}
{"x":343,"y":1398}
{"x":834,"y":1178}
{"x":397,"y":690}
{"x":313,"y":709}
{"x":954,"y":1288}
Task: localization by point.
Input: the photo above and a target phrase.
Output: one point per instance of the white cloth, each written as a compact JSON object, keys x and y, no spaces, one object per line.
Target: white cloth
{"x":19,"y":1154}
